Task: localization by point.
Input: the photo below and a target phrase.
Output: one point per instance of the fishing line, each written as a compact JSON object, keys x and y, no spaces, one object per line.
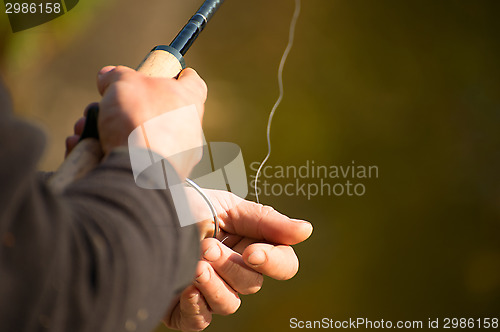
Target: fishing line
{"x":211,"y":206}
{"x":291,"y":37}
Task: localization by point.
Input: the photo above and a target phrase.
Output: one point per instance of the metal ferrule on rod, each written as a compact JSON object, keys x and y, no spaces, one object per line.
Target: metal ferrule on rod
{"x":195,"y":26}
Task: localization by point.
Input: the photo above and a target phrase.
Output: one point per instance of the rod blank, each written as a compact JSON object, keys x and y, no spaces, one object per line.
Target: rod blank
{"x":186,"y":37}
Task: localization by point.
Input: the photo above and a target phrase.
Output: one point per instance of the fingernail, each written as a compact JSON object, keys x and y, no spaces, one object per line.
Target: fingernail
{"x":194,"y":297}
{"x":299,"y":221}
{"x":212,"y":254}
{"x":105,"y":70}
{"x":203,"y":277}
{"x":257,"y":258}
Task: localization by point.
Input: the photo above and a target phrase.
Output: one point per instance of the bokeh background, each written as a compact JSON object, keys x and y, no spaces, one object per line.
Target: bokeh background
{"x":410,"y":86}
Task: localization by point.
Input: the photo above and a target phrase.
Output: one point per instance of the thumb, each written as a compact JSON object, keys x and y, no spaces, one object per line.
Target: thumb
{"x":264,"y":223}
{"x":110,"y":74}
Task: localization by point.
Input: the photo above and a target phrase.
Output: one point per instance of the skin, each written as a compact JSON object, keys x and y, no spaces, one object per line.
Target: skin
{"x":254,"y":241}
{"x":129,"y":99}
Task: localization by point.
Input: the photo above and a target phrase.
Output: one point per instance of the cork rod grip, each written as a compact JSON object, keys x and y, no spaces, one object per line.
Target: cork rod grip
{"x":84,"y":158}
{"x":88,"y":153}
{"x":160,"y":63}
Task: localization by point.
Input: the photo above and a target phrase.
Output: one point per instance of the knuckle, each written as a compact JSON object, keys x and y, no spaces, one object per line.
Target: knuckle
{"x":69,"y":141}
{"x":266,"y":210}
{"x":126,"y":74}
{"x":164,"y":86}
{"x":263,"y":212}
{"x":208,"y":242}
{"x":204,"y":273}
{"x":202,"y":88}
{"x":254,"y":286}
{"x":199,"y":322}
{"x":78,"y":124}
{"x":196,"y":84}
{"x":122,"y":70}
{"x":125,"y":91}
{"x":230,"y":268}
{"x":120,"y":89}
{"x":203,"y":266}
{"x":224,"y":303}
{"x":199,"y":326}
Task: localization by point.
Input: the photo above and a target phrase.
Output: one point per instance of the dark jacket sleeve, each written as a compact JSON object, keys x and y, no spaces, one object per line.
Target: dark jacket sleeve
{"x":103,"y":256}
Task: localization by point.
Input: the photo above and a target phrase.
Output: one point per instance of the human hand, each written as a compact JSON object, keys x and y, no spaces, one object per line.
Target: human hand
{"x":255,"y":240}
{"x":72,"y":140}
{"x":130,"y":99}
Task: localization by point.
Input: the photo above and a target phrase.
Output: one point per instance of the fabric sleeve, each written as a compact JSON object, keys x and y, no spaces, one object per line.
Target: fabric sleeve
{"x":103,"y":256}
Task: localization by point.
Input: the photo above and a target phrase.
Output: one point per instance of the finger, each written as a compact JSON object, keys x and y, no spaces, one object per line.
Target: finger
{"x":229,"y":240}
{"x":79,"y":125}
{"x":219,"y":296}
{"x":109,"y":75}
{"x":264,"y":223}
{"x":243,"y":244}
{"x":191,"y":80}
{"x":89,"y":106}
{"x":230,"y":266}
{"x":71,"y":142}
{"x":277,"y":262}
{"x":191,"y":313}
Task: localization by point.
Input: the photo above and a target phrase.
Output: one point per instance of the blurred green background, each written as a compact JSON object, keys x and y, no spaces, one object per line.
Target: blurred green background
{"x":410,"y":86}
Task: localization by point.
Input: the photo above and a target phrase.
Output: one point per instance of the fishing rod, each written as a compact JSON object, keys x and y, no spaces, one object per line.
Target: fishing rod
{"x":162,"y":61}
{"x":159,"y":62}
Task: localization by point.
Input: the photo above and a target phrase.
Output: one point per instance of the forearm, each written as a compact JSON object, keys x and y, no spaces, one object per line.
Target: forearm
{"x":141,"y":236}
{"x":110,"y":251}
